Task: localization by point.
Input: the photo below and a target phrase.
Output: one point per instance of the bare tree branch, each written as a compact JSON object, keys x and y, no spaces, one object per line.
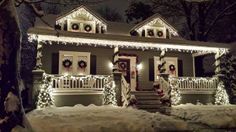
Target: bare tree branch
{"x":222,"y":13}
{"x":1,"y":2}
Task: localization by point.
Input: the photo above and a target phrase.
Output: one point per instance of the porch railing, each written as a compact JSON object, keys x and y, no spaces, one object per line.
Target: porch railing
{"x":72,"y":83}
{"x":125,"y":92}
{"x":195,"y":85}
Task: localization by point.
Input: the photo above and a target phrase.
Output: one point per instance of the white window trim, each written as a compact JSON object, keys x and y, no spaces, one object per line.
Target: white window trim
{"x":155,"y":31}
{"x":75,"y":60}
{"x":157,"y":58}
{"x":82,"y":22}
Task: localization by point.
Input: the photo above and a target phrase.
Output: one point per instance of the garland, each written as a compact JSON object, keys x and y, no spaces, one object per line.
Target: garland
{"x":163,"y":62}
{"x":67,"y":63}
{"x":82,"y":64}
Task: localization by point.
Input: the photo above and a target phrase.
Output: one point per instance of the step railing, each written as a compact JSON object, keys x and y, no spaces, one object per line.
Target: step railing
{"x":165,"y":86}
{"x":125,"y":92}
{"x":194,"y":85}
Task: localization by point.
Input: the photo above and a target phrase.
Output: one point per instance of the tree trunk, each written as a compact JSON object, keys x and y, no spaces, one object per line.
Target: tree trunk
{"x":11,"y":110}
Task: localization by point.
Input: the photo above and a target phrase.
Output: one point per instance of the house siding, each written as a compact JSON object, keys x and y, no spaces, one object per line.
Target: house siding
{"x":104,"y":57}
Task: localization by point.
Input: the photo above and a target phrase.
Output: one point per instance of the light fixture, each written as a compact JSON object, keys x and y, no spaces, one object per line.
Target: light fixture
{"x":140,"y":66}
{"x":110,"y":65}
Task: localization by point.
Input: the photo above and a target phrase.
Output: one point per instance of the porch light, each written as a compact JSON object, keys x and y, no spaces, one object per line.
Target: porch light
{"x":140,"y":66}
{"x":110,"y":65}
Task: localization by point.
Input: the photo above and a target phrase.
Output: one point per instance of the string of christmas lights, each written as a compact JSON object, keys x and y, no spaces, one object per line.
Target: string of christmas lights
{"x":221,"y":96}
{"x":53,"y":39}
{"x":109,"y":94}
{"x":45,"y":98}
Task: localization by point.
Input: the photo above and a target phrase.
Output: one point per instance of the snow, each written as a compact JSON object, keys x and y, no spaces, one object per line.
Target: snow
{"x":214,"y":116}
{"x":117,"y":119}
{"x":100,"y":119}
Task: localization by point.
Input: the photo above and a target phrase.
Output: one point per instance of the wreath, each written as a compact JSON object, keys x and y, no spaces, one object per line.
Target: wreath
{"x":75,"y":26}
{"x":122,"y":65}
{"x":159,"y":33}
{"x":82,"y":64}
{"x":172,"y":67}
{"x":87,"y":28}
{"x":67,"y":63}
{"x":150,"y":33}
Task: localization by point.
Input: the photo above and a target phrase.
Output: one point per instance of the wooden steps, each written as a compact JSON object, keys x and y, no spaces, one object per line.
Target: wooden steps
{"x":149,"y":101}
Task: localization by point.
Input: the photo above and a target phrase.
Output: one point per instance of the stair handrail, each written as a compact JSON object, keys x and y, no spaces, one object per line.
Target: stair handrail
{"x":164,"y":84}
{"x":125,"y":92}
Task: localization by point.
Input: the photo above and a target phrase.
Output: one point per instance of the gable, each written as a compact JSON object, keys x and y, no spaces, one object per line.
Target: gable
{"x":157,"y":25}
{"x":81,"y":13}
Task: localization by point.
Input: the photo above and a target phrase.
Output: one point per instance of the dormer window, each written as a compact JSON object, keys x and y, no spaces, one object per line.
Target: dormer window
{"x":154,"y":27}
{"x":81,"y":26}
{"x":83,"y":20}
{"x":156,"y":32}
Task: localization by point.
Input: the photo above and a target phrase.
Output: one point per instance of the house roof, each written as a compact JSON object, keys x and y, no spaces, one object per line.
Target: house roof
{"x":49,"y":18}
{"x":112,"y":27}
{"x":125,"y":41}
{"x":153,"y":17}
{"x":101,"y":19}
{"x":119,"y":28}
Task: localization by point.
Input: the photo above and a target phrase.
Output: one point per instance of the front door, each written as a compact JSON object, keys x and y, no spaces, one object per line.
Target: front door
{"x":124,"y":68}
{"x":127,"y":66}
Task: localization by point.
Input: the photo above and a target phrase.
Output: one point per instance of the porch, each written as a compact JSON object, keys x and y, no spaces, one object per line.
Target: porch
{"x":99,"y":56}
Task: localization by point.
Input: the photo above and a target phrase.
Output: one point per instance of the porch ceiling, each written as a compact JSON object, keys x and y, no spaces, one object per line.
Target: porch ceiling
{"x":108,"y":40}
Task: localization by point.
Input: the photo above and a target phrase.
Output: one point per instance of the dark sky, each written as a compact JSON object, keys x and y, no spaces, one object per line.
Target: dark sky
{"x":119,"y":5}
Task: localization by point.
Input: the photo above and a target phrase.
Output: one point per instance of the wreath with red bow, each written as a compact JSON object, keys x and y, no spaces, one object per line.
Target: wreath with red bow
{"x":151,"y":33}
{"x":67,"y":63}
{"x":172,"y":67}
{"x":122,"y":65}
{"x":82,"y":64}
{"x":159,"y":33}
{"x":87,"y":28}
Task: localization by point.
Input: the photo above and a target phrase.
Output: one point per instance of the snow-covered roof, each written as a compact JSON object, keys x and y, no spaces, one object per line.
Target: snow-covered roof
{"x":153,"y":19}
{"x":49,"y":18}
{"x":119,"y":28}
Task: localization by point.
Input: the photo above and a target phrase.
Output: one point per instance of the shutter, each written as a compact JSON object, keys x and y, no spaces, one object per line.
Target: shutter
{"x":55,"y":63}
{"x":93,"y":64}
{"x":167,"y":34}
{"x":151,"y":69}
{"x":65,"y":27}
{"x":143,"y":33}
{"x":180,"y":68}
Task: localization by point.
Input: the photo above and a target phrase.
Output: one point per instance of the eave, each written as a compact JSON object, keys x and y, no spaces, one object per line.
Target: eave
{"x":43,"y":35}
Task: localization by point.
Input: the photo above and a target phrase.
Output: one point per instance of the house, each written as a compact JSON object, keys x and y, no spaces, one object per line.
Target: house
{"x":84,"y":52}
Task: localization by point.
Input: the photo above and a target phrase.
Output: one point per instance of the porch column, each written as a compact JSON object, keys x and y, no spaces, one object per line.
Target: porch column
{"x":117,"y":79}
{"x":117,"y":76}
{"x":39,"y":57}
{"x":37,"y":82}
{"x":163,"y":62}
{"x":115,"y":60}
{"x":218,"y":56}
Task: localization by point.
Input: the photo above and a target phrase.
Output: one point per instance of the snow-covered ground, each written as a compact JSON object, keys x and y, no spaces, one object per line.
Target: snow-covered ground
{"x":109,"y":118}
{"x":213,"y":116}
